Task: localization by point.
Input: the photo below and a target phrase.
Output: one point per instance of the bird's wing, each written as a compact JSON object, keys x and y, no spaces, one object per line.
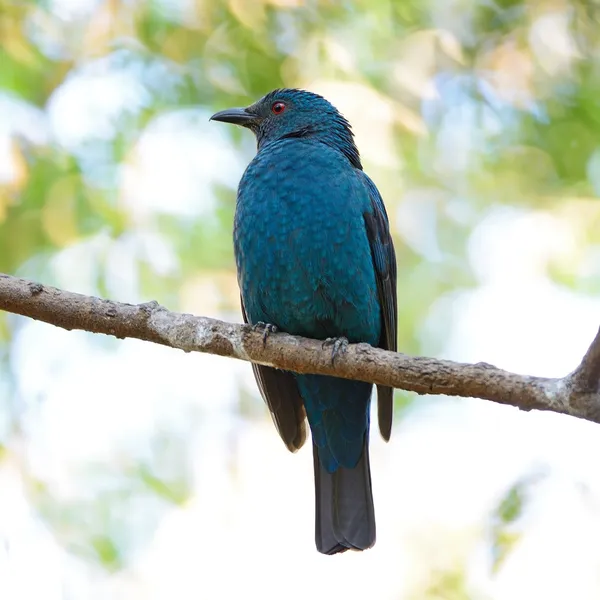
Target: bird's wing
{"x":280,"y":391}
{"x":384,"y":260}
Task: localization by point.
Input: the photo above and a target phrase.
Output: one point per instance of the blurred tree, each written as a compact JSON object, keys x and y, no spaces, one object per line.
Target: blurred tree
{"x":113,"y":183}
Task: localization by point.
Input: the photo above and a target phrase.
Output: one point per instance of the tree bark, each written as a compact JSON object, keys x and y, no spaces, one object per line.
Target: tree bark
{"x":576,"y":394}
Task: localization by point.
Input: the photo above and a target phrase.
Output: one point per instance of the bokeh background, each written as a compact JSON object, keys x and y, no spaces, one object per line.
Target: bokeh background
{"x":131,"y":471}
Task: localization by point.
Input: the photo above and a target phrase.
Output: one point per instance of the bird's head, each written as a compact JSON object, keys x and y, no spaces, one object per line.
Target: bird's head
{"x":291,"y":113}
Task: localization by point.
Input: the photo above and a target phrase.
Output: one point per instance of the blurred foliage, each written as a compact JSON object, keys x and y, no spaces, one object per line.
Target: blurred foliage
{"x":506,"y":522}
{"x":447,"y":585}
{"x":458,"y":107}
{"x":504,"y":534}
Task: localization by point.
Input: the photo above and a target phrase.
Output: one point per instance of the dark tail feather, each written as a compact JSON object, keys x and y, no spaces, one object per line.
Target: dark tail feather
{"x":345,"y":516}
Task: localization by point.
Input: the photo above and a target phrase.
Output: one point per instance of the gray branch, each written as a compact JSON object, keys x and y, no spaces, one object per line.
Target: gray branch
{"x":577,"y":394}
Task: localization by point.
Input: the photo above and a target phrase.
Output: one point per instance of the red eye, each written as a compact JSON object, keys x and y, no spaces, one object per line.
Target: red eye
{"x":277,"y":108}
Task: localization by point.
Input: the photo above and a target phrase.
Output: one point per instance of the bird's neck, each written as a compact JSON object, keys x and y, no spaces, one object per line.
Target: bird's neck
{"x":339,"y":139}
{"x":342,"y":140}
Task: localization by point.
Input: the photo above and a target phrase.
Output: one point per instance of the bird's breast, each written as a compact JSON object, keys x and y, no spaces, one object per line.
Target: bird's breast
{"x":303,"y":258}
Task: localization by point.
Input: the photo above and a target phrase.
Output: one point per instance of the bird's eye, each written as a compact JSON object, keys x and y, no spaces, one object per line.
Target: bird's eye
{"x":277,"y":108}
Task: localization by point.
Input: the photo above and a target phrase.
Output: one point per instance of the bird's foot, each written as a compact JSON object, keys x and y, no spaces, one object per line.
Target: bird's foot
{"x":267,"y":329}
{"x":340,"y":345}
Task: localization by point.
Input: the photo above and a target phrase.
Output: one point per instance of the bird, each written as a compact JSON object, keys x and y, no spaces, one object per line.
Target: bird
{"x":315,"y":258}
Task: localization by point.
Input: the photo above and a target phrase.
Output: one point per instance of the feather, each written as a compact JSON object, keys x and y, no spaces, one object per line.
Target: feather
{"x":384,"y":260}
{"x":280,"y":392}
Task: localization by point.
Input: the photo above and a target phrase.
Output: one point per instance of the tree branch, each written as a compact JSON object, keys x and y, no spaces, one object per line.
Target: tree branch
{"x":577,"y":394}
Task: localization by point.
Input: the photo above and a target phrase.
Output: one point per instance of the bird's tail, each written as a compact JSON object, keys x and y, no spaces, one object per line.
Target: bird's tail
{"x":345,"y":515}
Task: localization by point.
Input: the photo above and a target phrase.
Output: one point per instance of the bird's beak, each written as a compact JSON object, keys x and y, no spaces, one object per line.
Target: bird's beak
{"x":237,"y":116}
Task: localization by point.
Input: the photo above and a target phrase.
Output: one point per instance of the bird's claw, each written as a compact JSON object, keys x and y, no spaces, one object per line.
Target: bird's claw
{"x":267,"y":329}
{"x":340,"y":345}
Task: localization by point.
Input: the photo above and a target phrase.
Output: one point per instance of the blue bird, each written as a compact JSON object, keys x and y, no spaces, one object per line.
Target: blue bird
{"x":315,"y":258}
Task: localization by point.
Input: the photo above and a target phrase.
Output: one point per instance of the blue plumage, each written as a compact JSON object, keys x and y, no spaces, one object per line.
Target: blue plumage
{"x":315,"y":258}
